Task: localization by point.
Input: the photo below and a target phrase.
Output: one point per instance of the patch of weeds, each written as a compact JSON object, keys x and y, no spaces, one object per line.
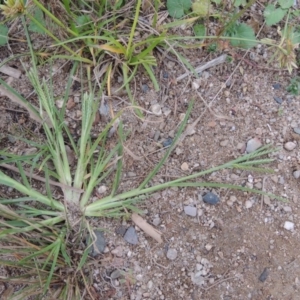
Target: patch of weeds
{"x":294,"y":86}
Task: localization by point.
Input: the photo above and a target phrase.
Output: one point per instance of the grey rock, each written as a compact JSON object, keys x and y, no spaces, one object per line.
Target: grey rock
{"x":100,"y":243}
{"x":277,"y":86}
{"x":278,"y":100}
{"x":172,"y":254}
{"x":115,"y":274}
{"x":281,"y":180}
{"x":211,"y":198}
{"x":145,"y":88}
{"x":296,"y":174}
{"x":131,"y":236}
{"x":156,"y":221}
{"x":168,"y":142}
{"x":190,"y":211}
{"x":121,"y":230}
{"x":297,"y":130}
{"x":253,"y":144}
{"x":264,"y":275}
{"x":197,"y":278}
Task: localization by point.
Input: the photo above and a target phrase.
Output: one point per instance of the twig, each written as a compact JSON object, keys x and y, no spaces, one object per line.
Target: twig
{"x":212,"y":63}
{"x":218,"y":282}
{"x":10,"y":71}
{"x":39,"y":178}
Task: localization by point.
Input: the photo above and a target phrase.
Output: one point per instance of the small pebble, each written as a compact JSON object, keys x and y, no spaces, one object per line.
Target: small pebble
{"x":102,"y":189}
{"x":115,"y":274}
{"x":248,"y":204}
{"x":168,"y":142}
{"x":100,"y":243}
{"x":287,"y":209}
{"x":224,"y":143}
{"x":297,"y":130}
{"x":211,"y":198}
{"x":264,"y":275}
{"x":278,"y":100}
{"x":145,"y":88}
{"x":131,"y":236}
{"x":276,"y":86}
{"x":156,"y":109}
{"x":289,"y":146}
{"x":267,"y":200}
{"x":253,"y":145}
{"x":184,"y":166}
{"x":118,"y":251}
{"x":156,"y":221}
{"x":121,"y":230}
{"x":296,"y":174}
{"x":165,"y":74}
{"x":190,"y":210}
{"x":289,"y":225}
{"x":172,"y":254}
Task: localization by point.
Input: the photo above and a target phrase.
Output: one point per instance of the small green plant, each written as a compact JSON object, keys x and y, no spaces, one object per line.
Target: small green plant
{"x":274,"y":14}
{"x":294,"y":86}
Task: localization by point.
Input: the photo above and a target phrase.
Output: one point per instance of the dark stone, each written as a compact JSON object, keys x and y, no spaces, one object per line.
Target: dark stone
{"x":145,"y":88}
{"x":131,"y":236}
{"x":277,"y":86}
{"x":278,"y":100}
{"x":168,"y":142}
{"x":165,"y":74}
{"x":100,"y":243}
{"x":211,"y":198}
{"x":121,"y":230}
{"x":264,"y":275}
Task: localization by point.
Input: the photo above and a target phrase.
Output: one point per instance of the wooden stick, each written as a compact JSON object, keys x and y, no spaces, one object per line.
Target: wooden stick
{"x":212,"y":63}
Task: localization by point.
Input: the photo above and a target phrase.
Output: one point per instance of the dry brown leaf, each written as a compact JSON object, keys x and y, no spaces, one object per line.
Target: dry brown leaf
{"x":146,"y":227}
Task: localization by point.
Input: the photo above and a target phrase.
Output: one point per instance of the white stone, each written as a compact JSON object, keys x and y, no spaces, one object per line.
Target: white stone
{"x":253,"y":145}
{"x":156,"y":109}
{"x":248,"y":204}
{"x":289,"y":225}
{"x":184,"y":166}
{"x":296,"y":174}
{"x":289,"y":146}
{"x":172,"y":254}
{"x":102,"y":189}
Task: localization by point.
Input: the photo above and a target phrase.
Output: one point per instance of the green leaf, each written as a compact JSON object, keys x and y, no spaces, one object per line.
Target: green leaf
{"x":244,"y":34}
{"x":238,"y":3}
{"x":39,"y":16}
{"x":82,"y":22}
{"x":216,"y":1}
{"x":177,"y":8}
{"x":273,"y":15}
{"x":3,"y":34}
{"x":201,"y":7}
{"x":199,"y":30}
{"x":286,"y":4}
